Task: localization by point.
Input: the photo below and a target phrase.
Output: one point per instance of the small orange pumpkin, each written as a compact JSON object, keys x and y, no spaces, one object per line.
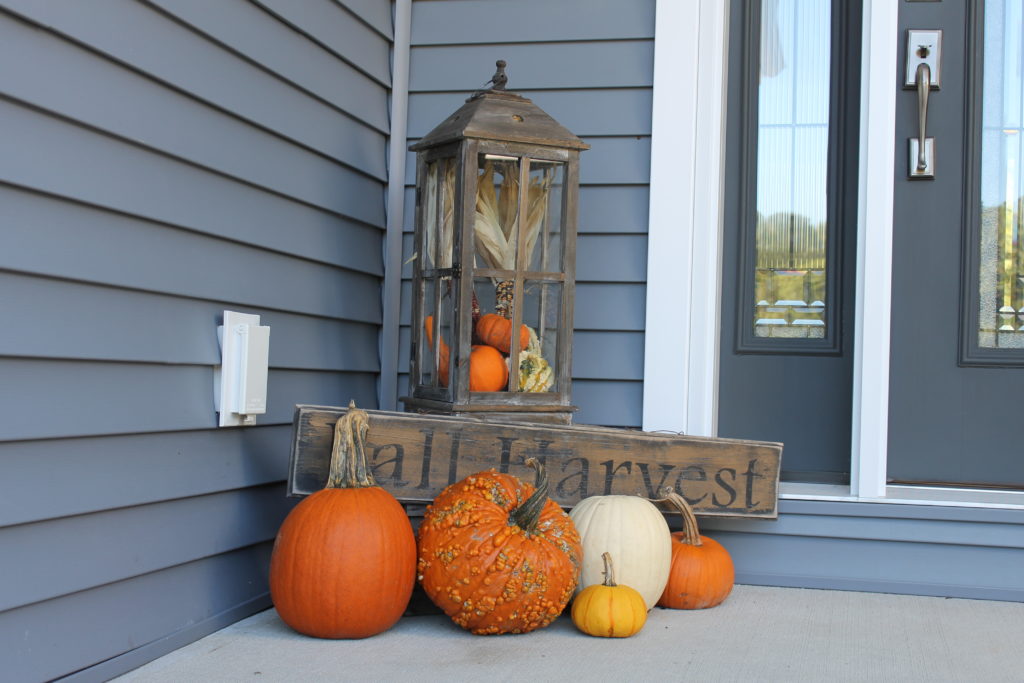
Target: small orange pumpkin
{"x":442,"y":369}
{"x":487,"y":369}
{"x":496,"y":330}
{"x":702,"y":574}
{"x":344,"y":561}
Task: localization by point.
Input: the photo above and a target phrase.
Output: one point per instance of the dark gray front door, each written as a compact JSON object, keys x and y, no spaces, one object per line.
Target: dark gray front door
{"x":789,"y":237}
{"x":956,"y":402}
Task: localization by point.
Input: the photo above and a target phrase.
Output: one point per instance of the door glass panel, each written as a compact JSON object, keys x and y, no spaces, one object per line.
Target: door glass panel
{"x":1001,"y":265}
{"x":790,"y":262}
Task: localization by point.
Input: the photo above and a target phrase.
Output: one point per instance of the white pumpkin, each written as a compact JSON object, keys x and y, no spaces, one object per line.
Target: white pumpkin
{"x":635,"y":533}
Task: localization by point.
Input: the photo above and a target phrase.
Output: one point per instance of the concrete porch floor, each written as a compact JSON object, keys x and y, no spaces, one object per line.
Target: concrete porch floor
{"x":757,"y":634}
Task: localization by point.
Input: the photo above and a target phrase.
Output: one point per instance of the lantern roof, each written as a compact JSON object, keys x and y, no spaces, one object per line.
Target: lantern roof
{"x":501,"y":115}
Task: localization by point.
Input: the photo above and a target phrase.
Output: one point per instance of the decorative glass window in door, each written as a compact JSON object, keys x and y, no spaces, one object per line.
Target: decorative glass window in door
{"x":1000,"y":257}
{"x":789,"y":252}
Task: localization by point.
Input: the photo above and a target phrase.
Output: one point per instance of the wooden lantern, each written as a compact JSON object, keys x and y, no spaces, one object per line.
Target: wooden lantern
{"x":497,"y":187}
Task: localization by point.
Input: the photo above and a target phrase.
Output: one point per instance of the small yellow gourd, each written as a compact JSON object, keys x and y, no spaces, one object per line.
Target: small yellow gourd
{"x":607,"y":609}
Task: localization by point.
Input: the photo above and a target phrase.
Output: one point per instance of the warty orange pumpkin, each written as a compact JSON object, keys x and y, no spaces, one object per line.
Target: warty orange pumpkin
{"x":497,"y":555}
{"x":702,"y":573}
{"x":344,"y":561}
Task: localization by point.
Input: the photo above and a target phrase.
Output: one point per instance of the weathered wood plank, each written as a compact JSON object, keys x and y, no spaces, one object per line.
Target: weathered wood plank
{"x":416,"y":456}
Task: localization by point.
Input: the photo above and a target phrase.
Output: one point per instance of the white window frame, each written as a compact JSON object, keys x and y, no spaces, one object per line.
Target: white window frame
{"x":685,"y":247}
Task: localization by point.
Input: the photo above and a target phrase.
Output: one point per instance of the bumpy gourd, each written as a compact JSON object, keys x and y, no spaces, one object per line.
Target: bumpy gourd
{"x":608,"y":609}
{"x":344,"y":561}
{"x":634,"y":531}
{"x":535,"y":373}
{"x":497,"y":555}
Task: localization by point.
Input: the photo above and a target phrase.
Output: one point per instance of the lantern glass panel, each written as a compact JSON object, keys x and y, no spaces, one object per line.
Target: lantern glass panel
{"x":547,"y":179}
{"x":435,"y":359}
{"x":438,"y":214}
{"x":497,"y":211}
{"x":541,"y":308}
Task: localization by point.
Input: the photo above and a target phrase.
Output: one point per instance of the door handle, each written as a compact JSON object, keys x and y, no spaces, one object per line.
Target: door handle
{"x":925,"y":164}
{"x":924,"y":49}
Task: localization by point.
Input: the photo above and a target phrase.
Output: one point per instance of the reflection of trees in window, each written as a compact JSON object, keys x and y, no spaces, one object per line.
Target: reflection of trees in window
{"x":790,"y":276}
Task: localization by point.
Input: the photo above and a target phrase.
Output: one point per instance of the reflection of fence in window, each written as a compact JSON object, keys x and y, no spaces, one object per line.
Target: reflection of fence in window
{"x":790,"y":277}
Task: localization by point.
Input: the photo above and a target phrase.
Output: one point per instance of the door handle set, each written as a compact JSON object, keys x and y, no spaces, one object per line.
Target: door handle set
{"x":924,"y":49}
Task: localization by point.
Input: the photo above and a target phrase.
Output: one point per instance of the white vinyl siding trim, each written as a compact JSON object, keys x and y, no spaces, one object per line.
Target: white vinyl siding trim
{"x":684,"y":235}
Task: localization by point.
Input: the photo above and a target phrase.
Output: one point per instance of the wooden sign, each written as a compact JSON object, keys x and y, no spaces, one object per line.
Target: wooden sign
{"x":416,"y":456}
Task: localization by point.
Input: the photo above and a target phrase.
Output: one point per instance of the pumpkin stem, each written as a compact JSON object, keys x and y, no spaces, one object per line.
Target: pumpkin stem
{"x":691,"y":531}
{"x":348,"y":454}
{"x":609,"y":570}
{"x":527,"y":515}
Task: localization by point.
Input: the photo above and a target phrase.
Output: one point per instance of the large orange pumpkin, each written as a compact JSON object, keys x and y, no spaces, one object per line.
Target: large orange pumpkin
{"x":702,"y":574}
{"x":496,"y":330}
{"x":497,"y":555}
{"x":344,"y":562}
{"x":487,"y":369}
{"x":442,"y":363}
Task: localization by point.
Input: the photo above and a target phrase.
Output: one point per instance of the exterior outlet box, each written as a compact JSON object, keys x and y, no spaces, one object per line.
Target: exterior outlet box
{"x":240,"y":381}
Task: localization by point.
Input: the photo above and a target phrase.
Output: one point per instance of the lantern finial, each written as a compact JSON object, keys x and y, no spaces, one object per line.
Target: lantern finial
{"x":499,"y":79}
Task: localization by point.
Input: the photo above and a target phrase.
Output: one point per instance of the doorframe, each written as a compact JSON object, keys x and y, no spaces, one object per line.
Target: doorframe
{"x":875,"y":187}
{"x":685,"y":237}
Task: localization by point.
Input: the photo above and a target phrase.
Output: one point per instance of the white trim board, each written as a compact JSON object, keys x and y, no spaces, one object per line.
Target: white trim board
{"x":870,"y":430}
{"x":926,"y":496}
{"x":685,"y":225}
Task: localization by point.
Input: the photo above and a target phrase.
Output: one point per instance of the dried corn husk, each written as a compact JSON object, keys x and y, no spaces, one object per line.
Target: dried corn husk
{"x":496,"y":216}
{"x":443,"y":234}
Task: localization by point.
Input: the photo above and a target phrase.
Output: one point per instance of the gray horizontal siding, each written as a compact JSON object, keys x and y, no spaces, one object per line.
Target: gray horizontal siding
{"x":137,"y":181}
{"x":201,"y":65}
{"x":137,"y":469}
{"x":58,"y":637}
{"x":924,"y":550}
{"x":591,"y":69}
{"x":162,"y":161}
{"x":159,"y":114}
{"x":446,"y":22}
{"x":119,"y":544}
{"x":373,"y":13}
{"x":62,"y":239}
{"x":105,"y":323}
{"x":94,"y":398}
{"x":364,"y":46}
{"x":533,"y":66}
{"x":608,"y":402}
